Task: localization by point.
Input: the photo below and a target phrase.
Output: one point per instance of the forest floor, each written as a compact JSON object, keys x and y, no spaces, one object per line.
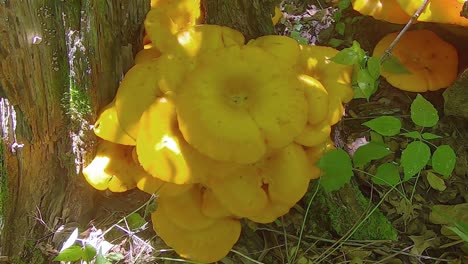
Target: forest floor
{"x":421,"y":236}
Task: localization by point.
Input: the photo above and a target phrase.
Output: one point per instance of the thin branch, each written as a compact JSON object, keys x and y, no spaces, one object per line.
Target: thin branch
{"x":413,"y":19}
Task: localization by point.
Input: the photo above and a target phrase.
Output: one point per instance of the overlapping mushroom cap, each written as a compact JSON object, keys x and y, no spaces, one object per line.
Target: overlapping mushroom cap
{"x":237,"y":111}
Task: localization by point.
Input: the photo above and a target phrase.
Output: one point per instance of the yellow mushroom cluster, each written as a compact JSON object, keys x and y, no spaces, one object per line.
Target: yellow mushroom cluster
{"x":218,"y":128}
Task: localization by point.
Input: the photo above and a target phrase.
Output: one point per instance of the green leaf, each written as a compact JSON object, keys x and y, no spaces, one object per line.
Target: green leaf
{"x":435,"y":182}
{"x":135,"y":221}
{"x":414,"y":158}
{"x":444,"y":160}
{"x":337,"y":169}
{"x":423,"y":112}
{"x":334,"y":42}
{"x":385,"y":125}
{"x":460,"y":233}
{"x":387,"y":174}
{"x":369,"y":152}
{"x":343,"y":4}
{"x":89,"y":252}
{"x":412,"y":134}
{"x":366,"y":84}
{"x":373,"y":65}
{"x":115,"y":256}
{"x":429,"y":136}
{"x":340,"y":28}
{"x":376,"y":137}
{"x":297,"y":36}
{"x":100,"y":259}
{"x":350,"y":56}
{"x":72,"y":253}
{"x":393,"y":65}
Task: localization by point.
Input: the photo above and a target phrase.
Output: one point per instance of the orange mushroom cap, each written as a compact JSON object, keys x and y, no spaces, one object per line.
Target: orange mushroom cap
{"x":386,"y":10}
{"x":438,"y":11}
{"x":433,"y":62}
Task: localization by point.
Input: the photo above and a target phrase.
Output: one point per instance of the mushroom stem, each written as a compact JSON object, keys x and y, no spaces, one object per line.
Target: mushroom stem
{"x":415,"y":16}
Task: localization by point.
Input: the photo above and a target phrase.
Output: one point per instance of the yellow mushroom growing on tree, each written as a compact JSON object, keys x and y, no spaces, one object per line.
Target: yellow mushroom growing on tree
{"x":236,"y":111}
{"x":113,"y":168}
{"x":315,"y":62}
{"x":166,"y":19}
{"x":204,"y":245}
{"x":164,"y":153}
{"x":142,"y":85}
{"x":107,"y":126}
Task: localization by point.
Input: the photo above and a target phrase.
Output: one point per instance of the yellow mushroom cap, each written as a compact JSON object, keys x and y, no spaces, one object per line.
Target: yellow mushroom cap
{"x":268,"y":188}
{"x":185,"y":210}
{"x":287,"y":174}
{"x":277,"y":16}
{"x":152,"y":185}
{"x":108,"y":127}
{"x":167,"y":18}
{"x":212,"y":206}
{"x":270,"y":213}
{"x":148,"y":54}
{"x":233,"y":107}
{"x":164,"y":153}
{"x":241,"y":192}
{"x":336,"y":78}
{"x":285,"y":49}
{"x":205,"y":245}
{"x":199,"y":39}
{"x":314,"y":135}
{"x":386,"y":10}
{"x":315,"y":153}
{"x":142,"y":85}
{"x":433,"y":63}
{"x":437,"y":11}
{"x":112,"y":168}
{"x":317,"y":99}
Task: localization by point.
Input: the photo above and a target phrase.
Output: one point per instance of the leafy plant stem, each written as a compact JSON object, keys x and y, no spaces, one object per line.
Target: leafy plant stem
{"x":134,"y":211}
{"x":403,"y":31}
{"x":372,"y":175}
{"x":414,"y":186}
{"x":246,"y":257}
{"x":293,"y":258}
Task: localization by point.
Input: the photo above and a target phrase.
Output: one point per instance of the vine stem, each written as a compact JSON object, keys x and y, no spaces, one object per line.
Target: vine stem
{"x":415,"y":17}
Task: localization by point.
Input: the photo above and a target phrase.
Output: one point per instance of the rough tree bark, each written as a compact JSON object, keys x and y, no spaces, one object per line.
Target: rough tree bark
{"x":251,"y":17}
{"x":60,"y":61}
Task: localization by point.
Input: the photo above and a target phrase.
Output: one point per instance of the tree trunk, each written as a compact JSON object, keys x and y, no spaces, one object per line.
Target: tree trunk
{"x":60,"y":61}
{"x":251,"y":17}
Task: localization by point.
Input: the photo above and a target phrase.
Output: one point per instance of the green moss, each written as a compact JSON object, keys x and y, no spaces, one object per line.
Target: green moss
{"x":31,"y":255}
{"x":77,"y":103}
{"x":340,"y":215}
{"x":376,"y":227}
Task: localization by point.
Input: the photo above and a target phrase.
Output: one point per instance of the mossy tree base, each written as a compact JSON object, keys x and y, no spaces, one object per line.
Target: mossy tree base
{"x":60,"y":62}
